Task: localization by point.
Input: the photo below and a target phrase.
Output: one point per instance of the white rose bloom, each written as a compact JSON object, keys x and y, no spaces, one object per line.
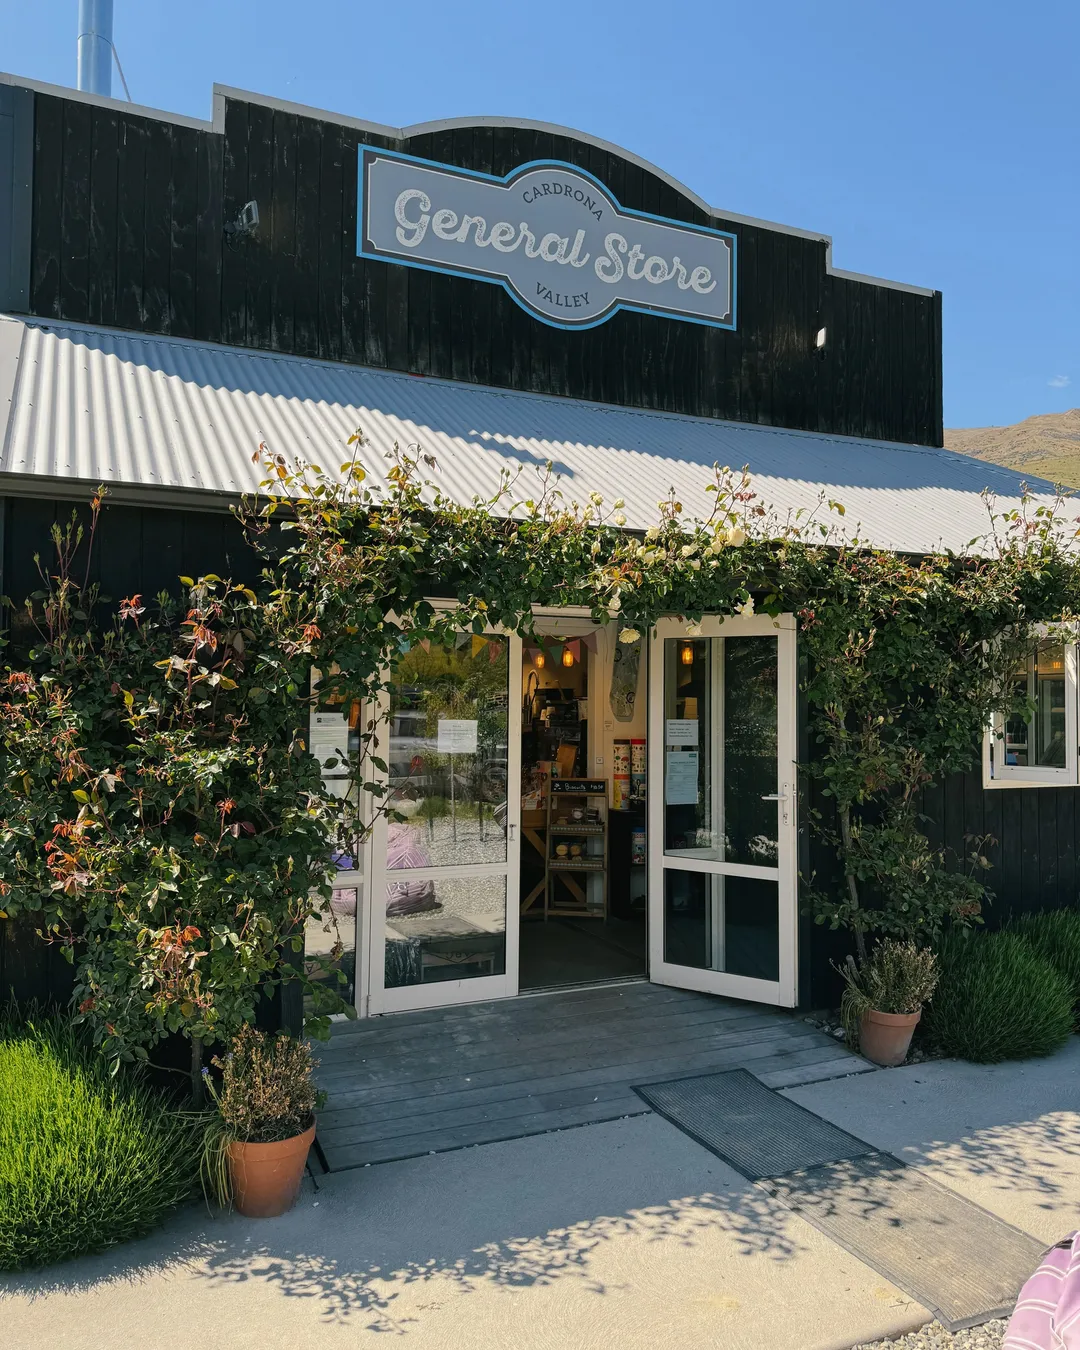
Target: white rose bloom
{"x":737,"y":536}
{"x":695,"y":563}
{"x":596,"y":499}
{"x":653,"y":532}
{"x":618,"y":503}
{"x":620,"y":519}
{"x":746,"y":610}
{"x":629,"y":635}
{"x":689,"y":550}
{"x":614,"y":605}
{"x":693,"y":630}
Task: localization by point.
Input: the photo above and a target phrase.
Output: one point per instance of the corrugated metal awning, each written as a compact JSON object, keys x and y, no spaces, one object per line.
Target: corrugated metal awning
{"x":163,"y":419}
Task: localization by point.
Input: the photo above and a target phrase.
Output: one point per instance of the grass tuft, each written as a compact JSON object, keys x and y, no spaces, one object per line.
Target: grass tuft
{"x":86,"y":1160}
{"x":1055,"y":935}
{"x":997,"y":999}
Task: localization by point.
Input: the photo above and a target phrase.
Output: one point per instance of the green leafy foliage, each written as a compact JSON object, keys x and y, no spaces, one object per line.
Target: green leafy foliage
{"x":87,"y":1159}
{"x":158,"y":810}
{"x":997,"y":999}
{"x":1055,"y":935}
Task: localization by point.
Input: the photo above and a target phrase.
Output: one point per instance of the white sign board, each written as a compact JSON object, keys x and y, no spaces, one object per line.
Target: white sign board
{"x":550,"y":233}
{"x":681,"y":731}
{"x":457,"y":736}
{"x":329,"y":741}
{"x":681,"y":778}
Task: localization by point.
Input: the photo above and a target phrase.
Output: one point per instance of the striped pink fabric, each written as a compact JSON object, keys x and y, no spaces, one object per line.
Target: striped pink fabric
{"x":1047,"y":1313}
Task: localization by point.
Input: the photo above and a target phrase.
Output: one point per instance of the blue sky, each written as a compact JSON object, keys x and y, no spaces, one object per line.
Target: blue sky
{"x":937,"y":141}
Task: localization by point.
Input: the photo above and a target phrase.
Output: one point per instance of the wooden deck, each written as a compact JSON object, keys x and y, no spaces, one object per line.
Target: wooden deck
{"x":423,"y":1082}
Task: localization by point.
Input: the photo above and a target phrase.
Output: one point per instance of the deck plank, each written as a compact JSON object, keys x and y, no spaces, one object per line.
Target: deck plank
{"x":415,"y":1083}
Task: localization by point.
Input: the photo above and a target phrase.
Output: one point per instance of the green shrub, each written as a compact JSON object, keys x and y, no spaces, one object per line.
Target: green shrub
{"x":1056,"y":937}
{"x":997,"y":999}
{"x":86,"y":1160}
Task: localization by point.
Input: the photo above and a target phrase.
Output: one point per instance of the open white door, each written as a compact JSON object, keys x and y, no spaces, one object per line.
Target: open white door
{"x":444,"y":880}
{"x":722,"y":860}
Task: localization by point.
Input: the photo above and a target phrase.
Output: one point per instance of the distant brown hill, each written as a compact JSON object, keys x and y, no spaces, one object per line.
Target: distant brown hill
{"x":1047,"y":446}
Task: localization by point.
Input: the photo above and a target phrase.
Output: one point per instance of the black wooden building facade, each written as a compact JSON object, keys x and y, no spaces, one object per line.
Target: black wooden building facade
{"x":118,"y":217}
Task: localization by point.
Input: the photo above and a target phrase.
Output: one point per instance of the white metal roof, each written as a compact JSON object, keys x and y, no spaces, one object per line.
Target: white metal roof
{"x":166,"y":419}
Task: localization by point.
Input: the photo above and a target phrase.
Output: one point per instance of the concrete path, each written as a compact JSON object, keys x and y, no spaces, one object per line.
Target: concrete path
{"x":622,"y":1234}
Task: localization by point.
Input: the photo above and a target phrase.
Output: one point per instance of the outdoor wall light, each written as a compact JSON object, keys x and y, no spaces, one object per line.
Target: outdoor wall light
{"x":687,"y":654}
{"x":819,"y":341}
{"x":567,"y":657}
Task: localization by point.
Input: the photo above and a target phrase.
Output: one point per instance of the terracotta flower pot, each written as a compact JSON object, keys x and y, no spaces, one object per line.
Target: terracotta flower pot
{"x":266,"y":1177}
{"x":886,"y":1037}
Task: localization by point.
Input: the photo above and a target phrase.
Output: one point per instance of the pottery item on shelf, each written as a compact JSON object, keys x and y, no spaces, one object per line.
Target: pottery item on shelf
{"x":561,"y":850}
{"x":575,"y":850}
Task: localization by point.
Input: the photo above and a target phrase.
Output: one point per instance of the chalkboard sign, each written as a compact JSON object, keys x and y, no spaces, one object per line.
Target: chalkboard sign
{"x":592,"y":787}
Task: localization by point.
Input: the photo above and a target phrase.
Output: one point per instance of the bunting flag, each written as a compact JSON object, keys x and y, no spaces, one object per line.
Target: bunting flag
{"x":426,"y":644}
{"x":574,"y":646}
{"x":478,"y":644}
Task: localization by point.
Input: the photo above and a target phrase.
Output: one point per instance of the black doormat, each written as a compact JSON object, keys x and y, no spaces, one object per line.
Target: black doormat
{"x":963,"y":1263}
{"x":758,"y":1132}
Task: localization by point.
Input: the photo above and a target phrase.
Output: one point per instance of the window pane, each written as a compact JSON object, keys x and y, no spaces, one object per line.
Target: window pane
{"x":1039,"y":740}
{"x":751,"y":825}
{"x":689,"y":817}
{"x":722,"y":923}
{"x":1049,"y":728}
{"x":450,"y":929}
{"x":448,"y":747}
{"x":713,"y":792}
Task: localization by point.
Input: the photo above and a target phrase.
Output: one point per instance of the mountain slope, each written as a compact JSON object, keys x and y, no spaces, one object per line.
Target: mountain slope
{"x":1046,"y":446}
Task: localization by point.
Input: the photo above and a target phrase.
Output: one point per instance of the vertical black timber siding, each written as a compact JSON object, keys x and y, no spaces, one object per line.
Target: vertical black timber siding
{"x":1031,"y":837}
{"x":128,"y":230}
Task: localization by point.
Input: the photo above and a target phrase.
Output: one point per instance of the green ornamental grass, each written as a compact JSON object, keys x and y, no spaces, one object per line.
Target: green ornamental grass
{"x":86,"y":1160}
{"x":1055,"y":935}
{"x":997,"y":999}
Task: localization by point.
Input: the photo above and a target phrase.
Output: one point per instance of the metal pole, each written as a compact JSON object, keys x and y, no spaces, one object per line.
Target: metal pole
{"x":95,"y":46}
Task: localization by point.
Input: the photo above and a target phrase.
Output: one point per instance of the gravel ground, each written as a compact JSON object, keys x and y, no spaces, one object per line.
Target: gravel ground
{"x":934,"y":1337}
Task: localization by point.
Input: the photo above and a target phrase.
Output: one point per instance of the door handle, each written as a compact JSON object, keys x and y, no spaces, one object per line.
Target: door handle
{"x":780,"y":797}
{"x":510,"y":832}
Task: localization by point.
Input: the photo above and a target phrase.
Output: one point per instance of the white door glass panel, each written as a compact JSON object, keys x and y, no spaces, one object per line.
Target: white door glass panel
{"x":722,"y":886}
{"x":331,"y":937}
{"x":447,"y":859}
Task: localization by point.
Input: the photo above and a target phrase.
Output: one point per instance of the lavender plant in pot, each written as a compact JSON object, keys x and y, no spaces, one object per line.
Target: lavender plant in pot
{"x":884,"y":996}
{"x":266,"y":1101}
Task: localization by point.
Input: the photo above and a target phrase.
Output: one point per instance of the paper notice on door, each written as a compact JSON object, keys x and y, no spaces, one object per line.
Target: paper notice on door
{"x":457,"y":736}
{"x":681,"y":778}
{"x":681,"y":731}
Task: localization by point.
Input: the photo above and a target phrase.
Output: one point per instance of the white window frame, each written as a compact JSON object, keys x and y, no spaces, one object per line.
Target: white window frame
{"x":997,"y":775}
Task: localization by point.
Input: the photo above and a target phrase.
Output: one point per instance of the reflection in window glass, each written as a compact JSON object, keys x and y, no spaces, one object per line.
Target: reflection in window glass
{"x":452,"y":928}
{"x":448,"y":753}
{"x":722,"y":923}
{"x":1039,"y":741}
{"x":714,"y":785}
{"x":330,"y":936}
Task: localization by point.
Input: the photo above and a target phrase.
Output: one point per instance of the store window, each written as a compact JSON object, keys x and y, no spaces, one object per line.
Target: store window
{"x":1037,"y":747}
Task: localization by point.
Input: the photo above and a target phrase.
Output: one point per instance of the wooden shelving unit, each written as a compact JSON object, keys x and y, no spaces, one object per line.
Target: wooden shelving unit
{"x":589,"y":795}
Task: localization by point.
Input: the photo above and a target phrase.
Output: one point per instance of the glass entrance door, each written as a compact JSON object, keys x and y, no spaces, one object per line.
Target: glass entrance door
{"x":444,"y":910}
{"x":722,"y":876}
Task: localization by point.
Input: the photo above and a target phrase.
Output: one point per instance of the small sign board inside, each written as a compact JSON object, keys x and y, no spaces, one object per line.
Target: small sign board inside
{"x":592,"y":787}
{"x":457,"y":736}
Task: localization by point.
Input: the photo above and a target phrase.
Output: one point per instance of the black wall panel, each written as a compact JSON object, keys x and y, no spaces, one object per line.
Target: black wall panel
{"x":128,"y":229}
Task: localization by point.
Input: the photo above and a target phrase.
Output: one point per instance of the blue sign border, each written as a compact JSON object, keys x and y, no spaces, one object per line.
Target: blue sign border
{"x":505,"y":180}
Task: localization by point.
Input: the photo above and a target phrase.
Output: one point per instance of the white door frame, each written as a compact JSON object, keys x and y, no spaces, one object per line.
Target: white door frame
{"x":379,"y":999}
{"x":783,"y":991}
